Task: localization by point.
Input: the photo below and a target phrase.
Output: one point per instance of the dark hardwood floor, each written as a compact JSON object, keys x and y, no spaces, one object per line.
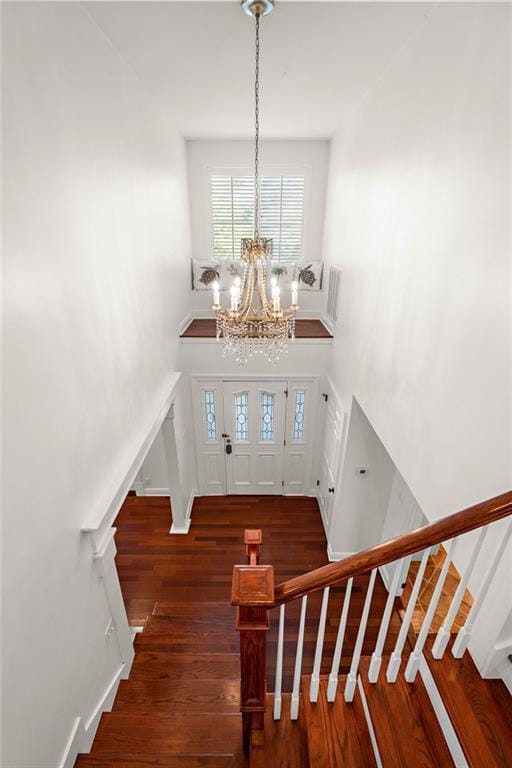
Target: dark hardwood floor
{"x":180,"y":706}
{"x":155,"y":568}
{"x":185,"y":676}
{"x":304,"y":329}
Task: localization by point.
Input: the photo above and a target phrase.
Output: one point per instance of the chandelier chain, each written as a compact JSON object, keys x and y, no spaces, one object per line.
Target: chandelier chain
{"x":257,"y":130}
{"x":255,"y":324}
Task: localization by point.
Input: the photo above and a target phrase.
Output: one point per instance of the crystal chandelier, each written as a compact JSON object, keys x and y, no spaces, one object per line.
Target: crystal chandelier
{"x":255,"y":324}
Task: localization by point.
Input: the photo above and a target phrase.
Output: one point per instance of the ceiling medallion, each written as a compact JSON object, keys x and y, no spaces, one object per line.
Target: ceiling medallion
{"x":255,"y":324}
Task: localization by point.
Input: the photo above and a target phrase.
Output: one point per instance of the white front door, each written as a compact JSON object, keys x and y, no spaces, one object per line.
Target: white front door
{"x":254,"y":426}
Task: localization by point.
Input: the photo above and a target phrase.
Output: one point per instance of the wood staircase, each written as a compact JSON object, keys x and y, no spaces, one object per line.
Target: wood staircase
{"x":404,"y":724}
{"x":380,"y":713}
{"x":181,"y":706}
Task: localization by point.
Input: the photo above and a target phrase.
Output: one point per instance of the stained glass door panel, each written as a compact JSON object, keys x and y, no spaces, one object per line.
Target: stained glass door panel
{"x":255,"y":414}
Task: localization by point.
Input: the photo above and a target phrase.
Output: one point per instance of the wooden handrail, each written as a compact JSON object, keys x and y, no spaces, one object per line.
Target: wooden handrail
{"x":447,"y":528}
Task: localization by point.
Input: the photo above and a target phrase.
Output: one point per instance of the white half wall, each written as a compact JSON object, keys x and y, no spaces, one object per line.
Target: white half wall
{"x":154,"y":472}
{"x":417,"y":217}
{"x":96,"y":235}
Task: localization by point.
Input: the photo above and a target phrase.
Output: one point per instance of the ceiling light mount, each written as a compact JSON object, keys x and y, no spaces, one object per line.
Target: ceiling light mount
{"x":257,"y":7}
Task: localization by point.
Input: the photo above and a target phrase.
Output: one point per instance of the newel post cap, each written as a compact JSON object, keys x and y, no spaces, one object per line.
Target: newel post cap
{"x":253,"y":585}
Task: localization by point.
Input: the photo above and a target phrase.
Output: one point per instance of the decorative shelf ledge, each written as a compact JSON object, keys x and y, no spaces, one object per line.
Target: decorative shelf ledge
{"x":304,"y":329}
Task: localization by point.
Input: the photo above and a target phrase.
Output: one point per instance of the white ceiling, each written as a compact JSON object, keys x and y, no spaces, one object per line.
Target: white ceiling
{"x":318,"y":60}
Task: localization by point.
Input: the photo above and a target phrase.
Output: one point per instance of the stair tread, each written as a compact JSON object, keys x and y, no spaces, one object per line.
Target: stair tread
{"x":191,"y":624}
{"x":180,"y":733}
{"x":205,"y":696}
{"x":475,"y":706}
{"x":194,"y":610}
{"x":285,"y":739}
{"x":154,"y":760}
{"x":337,"y":732}
{"x":156,"y":638}
{"x":406,"y":728}
{"x":149,"y":665}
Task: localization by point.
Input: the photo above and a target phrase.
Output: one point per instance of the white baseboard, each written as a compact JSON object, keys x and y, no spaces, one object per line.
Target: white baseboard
{"x":369,"y":723}
{"x":181,"y":529}
{"x":139,"y":488}
{"x":186,"y":322}
{"x":334,"y":556}
{"x":156,"y":492}
{"x":443,"y":718}
{"x":83,"y":731}
{"x":73,"y":745}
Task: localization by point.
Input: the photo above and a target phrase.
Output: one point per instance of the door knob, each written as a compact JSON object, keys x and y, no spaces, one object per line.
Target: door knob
{"x":229,"y":448}
{"x":331,"y":490}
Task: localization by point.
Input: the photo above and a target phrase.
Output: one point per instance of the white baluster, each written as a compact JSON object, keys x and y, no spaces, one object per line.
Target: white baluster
{"x":443,"y":634}
{"x":294,"y":706}
{"x":402,"y":568}
{"x":414,"y":661}
{"x":396,"y":656}
{"x":333,"y":677}
{"x":464,"y":633}
{"x":279,"y":666}
{"x":351,"y":682}
{"x":315,"y":677}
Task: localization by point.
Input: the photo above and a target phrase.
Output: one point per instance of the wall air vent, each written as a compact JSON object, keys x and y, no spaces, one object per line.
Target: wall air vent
{"x":333,"y":294}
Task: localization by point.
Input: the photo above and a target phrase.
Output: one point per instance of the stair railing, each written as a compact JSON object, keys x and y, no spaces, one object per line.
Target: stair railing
{"x":254,"y":594}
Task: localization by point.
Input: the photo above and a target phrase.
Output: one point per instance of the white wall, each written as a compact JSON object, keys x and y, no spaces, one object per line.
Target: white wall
{"x":417,"y":217}
{"x":96,"y":233}
{"x":305,"y":358}
{"x":275,"y":156}
{"x":362,"y":501}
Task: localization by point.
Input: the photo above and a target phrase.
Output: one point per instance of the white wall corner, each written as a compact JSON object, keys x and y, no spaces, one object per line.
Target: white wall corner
{"x":186,"y":322}
{"x":498,"y":663}
{"x":335,"y":556}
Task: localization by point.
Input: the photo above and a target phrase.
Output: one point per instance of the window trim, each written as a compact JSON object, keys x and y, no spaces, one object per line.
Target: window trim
{"x":291,"y":169}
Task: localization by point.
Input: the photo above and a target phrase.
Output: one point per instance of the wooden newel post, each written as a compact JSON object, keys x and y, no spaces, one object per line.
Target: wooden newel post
{"x":253,"y":594}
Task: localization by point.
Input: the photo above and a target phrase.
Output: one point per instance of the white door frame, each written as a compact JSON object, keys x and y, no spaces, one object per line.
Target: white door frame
{"x":212,"y":477}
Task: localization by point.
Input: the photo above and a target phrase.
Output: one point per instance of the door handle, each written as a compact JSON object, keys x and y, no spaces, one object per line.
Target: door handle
{"x":229,"y":448}
{"x":331,"y":490}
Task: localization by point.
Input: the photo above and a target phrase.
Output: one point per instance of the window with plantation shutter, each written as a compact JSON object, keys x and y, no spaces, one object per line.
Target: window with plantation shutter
{"x":281,"y":214}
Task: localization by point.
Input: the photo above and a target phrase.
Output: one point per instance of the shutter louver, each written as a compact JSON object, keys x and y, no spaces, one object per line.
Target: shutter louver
{"x":281,"y":214}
